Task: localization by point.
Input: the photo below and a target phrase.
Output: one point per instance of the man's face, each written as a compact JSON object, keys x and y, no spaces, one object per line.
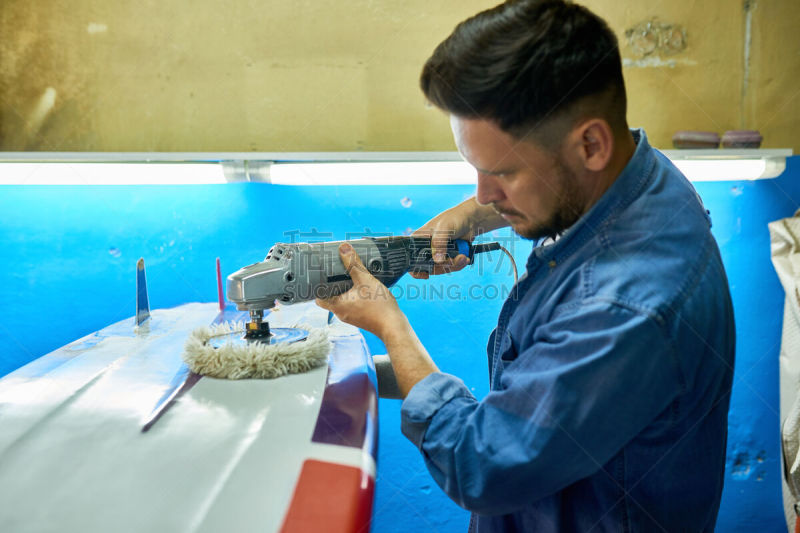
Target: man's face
{"x":528,"y":185}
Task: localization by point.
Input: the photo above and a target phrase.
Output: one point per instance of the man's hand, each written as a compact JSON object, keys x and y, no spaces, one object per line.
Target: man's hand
{"x":368,"y":304}
{"x":464,"y":221}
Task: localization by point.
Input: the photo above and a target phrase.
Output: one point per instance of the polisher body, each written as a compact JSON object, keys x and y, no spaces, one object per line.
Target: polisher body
{"x":299,"y":272}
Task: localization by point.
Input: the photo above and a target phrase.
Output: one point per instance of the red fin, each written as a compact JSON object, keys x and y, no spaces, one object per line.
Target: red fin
{"x":219,"y":288}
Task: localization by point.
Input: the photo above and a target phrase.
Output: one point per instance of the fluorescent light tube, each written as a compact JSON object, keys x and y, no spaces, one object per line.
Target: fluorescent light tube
{"x":110,"y":173}
{"x":405,"y":173}
{"x":723,"y":169}
{"x":325,"y":168}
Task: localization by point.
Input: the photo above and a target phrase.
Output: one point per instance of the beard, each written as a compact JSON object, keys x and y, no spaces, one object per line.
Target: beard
{"x":568,"y":209}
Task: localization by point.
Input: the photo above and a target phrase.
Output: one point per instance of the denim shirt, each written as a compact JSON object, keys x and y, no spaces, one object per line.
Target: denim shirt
{"x":611,"y":370}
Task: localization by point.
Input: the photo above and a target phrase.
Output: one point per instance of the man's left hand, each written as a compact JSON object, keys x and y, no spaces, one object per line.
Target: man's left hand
{"x":368,"y":304}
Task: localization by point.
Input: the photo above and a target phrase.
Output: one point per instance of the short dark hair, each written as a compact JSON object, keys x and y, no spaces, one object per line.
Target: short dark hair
{"x":524,"y":62}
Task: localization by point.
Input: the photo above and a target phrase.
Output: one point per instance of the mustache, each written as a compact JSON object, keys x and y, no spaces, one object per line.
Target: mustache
{"x":501,"y":211}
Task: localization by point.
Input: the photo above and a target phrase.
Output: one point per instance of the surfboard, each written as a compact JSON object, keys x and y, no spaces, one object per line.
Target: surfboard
{"x":291,"y":454}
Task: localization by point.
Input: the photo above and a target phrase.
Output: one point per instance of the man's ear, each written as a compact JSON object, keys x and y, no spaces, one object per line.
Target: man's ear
{"x":592,"y":143}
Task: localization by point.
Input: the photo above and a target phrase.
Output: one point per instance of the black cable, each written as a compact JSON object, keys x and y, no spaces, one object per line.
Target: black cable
{"x":485,"y":247}
{"x":490,"y":247}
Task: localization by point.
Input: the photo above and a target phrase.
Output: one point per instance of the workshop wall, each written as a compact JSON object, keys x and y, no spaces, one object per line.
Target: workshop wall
{"x":326,"y":75}
{"x":70,"y":252}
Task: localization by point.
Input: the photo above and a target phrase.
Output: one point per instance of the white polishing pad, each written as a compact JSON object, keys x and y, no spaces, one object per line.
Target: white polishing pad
{"x":243,"y":360}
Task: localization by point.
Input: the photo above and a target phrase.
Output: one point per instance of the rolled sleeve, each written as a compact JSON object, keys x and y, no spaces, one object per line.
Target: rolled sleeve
{"x":425,"y":399}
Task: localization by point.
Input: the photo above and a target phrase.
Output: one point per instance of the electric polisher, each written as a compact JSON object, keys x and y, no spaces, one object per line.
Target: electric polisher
{"x":298,"y":272}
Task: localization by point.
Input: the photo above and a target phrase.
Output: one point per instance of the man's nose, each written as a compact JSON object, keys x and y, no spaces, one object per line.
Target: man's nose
{"x":489,"y":190}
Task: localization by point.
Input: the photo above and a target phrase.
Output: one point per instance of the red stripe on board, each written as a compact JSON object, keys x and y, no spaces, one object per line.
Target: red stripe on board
{"x":332,"y":498}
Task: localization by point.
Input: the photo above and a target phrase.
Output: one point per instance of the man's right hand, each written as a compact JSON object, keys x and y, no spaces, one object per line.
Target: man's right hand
{"x":464,"y":221}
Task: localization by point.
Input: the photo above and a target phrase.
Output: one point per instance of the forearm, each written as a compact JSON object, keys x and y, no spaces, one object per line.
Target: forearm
{"x":480,"y":218}
{"x":410,"y":361}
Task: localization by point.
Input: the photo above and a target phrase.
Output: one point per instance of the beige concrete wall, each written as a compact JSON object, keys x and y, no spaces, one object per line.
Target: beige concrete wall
{"x":239,"y":75}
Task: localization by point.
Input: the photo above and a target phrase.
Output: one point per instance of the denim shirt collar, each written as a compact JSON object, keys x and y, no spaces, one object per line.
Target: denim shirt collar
{"x":618,"y":196}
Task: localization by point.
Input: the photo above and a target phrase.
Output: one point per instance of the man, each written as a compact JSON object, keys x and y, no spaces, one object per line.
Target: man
{"x":612,"y":360}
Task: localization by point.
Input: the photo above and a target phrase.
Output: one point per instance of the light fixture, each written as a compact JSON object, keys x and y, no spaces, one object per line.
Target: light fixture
{"x":83,"y":173}
{"x":729,"y":164}
{"x":393,"y":173}
{"x":325,"y":168}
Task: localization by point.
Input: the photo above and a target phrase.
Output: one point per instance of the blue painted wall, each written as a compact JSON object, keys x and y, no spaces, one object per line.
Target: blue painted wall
{"x":69,"y":252}
{"x":740,"y":213}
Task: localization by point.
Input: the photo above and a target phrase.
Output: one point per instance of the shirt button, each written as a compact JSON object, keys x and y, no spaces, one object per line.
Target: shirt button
{"x":552,"y":264}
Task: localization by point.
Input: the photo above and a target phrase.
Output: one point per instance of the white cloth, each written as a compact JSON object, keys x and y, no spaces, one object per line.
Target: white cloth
{"x":785,"y":247}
